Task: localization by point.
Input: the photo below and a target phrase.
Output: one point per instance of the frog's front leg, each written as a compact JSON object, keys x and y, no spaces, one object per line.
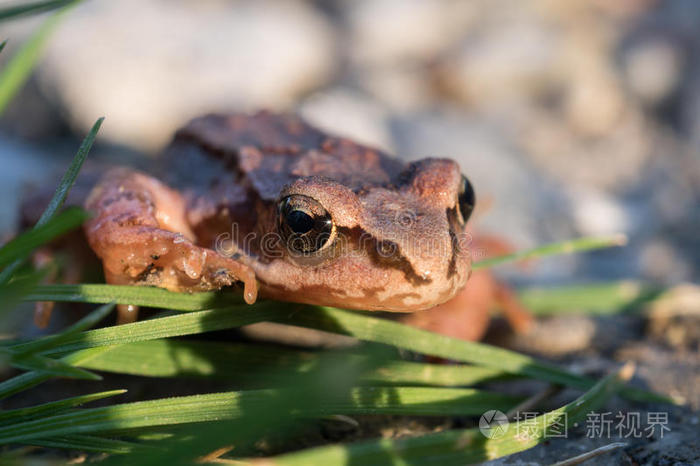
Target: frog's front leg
{"x":140,"y":232}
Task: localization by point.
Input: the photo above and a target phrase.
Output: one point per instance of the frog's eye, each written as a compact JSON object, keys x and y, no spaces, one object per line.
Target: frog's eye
{"x":465,"y":198}
{"x":305,"y":226}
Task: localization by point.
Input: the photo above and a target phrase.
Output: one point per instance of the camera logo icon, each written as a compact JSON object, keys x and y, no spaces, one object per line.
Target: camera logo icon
{"x":493,"y":424}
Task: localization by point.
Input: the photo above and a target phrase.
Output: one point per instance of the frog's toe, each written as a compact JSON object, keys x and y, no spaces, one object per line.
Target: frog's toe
{"x":219,"y":271}
{"x":42,"y":313}
{"x":127,"y":313}
{"x":250,"y":290}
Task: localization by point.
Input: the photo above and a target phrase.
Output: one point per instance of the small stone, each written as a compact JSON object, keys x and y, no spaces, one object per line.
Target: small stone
{"x":401,"y":88}
{"x":596,"y":213}
{"x":660,"y":261}
{"x":653,"y":68}
{"x":594,"y":104}
{"x":558,"y":336}
{"x":393,"y":31}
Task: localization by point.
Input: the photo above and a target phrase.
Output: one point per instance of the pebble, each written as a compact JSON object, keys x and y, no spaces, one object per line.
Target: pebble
{"x":597,"y":213}
{"x":653,"y":68}
{"x":558,"y":336}
{"x":398,"y":31}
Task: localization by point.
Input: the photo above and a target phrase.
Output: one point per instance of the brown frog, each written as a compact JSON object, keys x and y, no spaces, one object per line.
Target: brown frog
{"x":290,"y":212}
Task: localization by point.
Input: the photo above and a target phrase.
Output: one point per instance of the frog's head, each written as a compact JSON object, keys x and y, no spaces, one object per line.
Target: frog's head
{"x":397,"y":246}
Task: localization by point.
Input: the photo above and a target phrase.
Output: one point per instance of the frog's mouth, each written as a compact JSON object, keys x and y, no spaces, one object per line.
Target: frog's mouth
{"x":359,"y":271}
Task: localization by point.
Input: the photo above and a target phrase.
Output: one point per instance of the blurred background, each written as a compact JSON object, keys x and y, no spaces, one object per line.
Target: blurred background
{"x":571,"y":118}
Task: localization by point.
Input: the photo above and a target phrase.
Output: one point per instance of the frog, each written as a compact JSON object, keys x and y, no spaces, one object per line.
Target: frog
{"x":288,"y":212}
{"x":271,"y":204}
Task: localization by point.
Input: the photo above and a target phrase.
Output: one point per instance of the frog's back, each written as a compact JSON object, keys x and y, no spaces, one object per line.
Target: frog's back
{"x":266,"y":151}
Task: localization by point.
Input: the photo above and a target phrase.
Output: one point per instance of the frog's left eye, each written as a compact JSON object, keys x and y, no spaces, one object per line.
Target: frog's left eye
{"x":466,"y":198}
{"x":304,"y":224}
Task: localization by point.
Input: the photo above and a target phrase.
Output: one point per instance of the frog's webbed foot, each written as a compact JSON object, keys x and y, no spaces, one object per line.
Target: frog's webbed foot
{"x":140,"y":233}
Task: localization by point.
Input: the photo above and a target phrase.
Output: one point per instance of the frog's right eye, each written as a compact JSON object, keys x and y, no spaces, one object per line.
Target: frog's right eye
{"x":305,"y":226}
{"x":466,"y":198}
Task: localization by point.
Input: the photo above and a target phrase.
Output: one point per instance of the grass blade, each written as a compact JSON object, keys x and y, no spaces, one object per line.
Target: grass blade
{"x":88,"y":443}
{"x":402,"y":336}
{"x":594,"y":298}
{"x":188,"y":358}
{"x":443,"y":375}
{"x":53,"y":407}
{"x":245,"y":362}
{"x":458,"y":447}
{"x":138,"y":296}
{"x":46,"y":343}
{"x":30,"y":379}
{"x":21,"y":246}
{"x":422,"y":401}
{"x":53,"y":367}
{"x":23,"y":9}
{"x":71,"y":174}
{"x":3,"y":44}
{"x":221,"y":406}
{"x":564,"y":247}
{"x":178,"y":325}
